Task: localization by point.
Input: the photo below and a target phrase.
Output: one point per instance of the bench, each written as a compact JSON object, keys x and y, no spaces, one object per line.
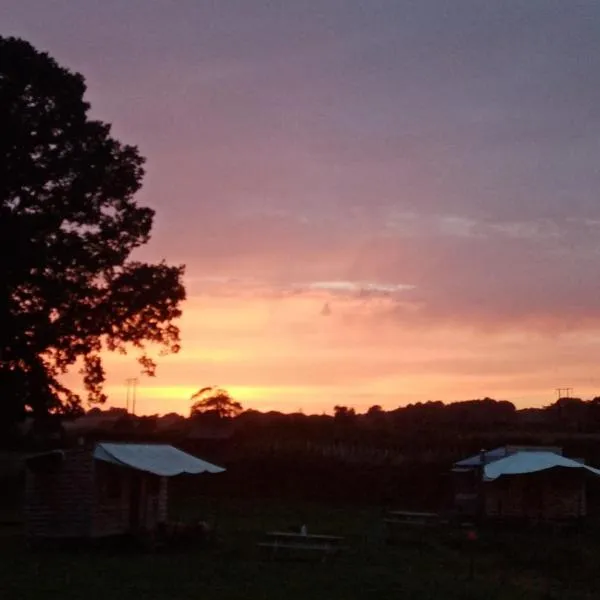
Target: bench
{"x":285,"y":543}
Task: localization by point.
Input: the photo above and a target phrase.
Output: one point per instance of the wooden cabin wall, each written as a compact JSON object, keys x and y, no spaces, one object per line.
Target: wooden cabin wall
{"x":149,"y":501}
{"x":127,"y":500}
{"x":59,"y":496}
{"x":112,"y":491}
{"x":567,"y":494}
{"x":537,"y":496}
{"x":163,"y":500}
{"x":467,"y":491}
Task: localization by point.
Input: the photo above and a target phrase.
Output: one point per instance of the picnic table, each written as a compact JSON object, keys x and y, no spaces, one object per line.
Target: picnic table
{"x":397,"y":520}
{"x":412,"y":518}
{"x":289,"y":542}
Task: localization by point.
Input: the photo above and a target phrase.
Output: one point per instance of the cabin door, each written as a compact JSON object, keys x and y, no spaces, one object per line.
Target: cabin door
{"x":135,"y":498}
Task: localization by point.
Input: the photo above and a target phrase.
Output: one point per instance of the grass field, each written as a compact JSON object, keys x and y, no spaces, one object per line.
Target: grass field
{"x":424,"y":563}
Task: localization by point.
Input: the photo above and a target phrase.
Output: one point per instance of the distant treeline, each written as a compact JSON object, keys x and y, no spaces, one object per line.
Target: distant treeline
{"x":395,"y":457}
{"x":376,"y":428}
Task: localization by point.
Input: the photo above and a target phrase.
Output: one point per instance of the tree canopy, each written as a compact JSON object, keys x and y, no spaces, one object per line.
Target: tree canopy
{"x":214,"y":401}
{"x":69,"y":223}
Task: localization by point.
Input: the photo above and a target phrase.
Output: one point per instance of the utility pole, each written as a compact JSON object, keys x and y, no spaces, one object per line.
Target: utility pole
{"x":564,"y":392}
{"x":131,"y":383}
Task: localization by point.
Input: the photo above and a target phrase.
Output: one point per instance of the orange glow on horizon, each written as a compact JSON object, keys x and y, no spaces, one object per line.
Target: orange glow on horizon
{"x":283,"y":354}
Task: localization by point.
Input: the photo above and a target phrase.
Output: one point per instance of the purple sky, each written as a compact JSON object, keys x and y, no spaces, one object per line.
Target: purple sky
{"x":440,"y":156}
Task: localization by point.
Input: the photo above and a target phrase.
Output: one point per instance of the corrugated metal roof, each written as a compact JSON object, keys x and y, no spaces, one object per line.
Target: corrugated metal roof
{"x":488,"y":456}
{"x":522,"y":463}
{"x":159,"y":459}
{"x":501,"y":452}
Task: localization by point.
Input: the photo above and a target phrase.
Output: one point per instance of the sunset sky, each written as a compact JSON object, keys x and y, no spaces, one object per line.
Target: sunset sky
{"x":378,"y":201}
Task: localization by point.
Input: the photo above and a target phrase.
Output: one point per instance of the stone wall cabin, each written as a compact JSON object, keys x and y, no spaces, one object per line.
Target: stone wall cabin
{"x":108,"y":490}
{"x":549,"y":495}
{"x":532,"y":483}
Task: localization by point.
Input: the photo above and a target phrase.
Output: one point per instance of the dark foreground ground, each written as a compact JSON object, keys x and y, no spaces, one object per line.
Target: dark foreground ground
{"x":424,"y":563}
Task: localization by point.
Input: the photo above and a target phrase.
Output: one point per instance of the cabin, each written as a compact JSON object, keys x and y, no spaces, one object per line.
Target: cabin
{"x":528,"y":482}
{"x":467,"y":476}
{"x":108,"y":489}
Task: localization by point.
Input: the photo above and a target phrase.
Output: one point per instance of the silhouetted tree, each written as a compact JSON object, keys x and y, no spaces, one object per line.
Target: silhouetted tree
{"x":214,"y":401}
{"x":375,"y":417}
{"x":593,"y":413}
{"x":68,"y":225}
{"x":570,"y":414}
{"x":343,"y":414}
